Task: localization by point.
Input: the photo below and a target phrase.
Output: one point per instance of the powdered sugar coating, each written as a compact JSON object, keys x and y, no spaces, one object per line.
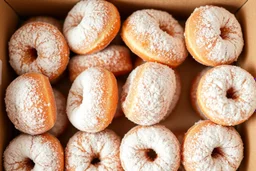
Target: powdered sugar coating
{"x":26,"y":107}
{"x":86,"y":24}
{"x":61,"y":119}
{"x":158,"y":138}
{"x":83,"y":147}
{"x":46,"y":19}
{"x":157,"y":35}
{"x":148,"y":93}
{"x":212,"y":95}
{"x":203,"y":138}
{"x":47,"y":154}
{"x":87,"y":104}
{"x":52,"y":50}
{"x":114,"y":58}
{"x":217,"y":34}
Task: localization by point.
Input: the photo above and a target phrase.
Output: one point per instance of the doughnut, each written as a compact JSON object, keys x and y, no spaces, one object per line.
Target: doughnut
{"x":180,"y":136}
{"x":46,"y":19}
{"x":208,"y":146}
{"x":92,"y":100}
{"x":114,"y":58}
{"x":91,"y":25}
{"x":213,"y":36}
{"x":147,"y":148}
{"x":193,"y":91}
{"x":155,"y":36}
{"x":119,"y":111}
{"x":148,"y":93}
{"x":62,"y":122}
{"x":39,"y":47}
{"x":30,"y":103}
{"x":93,"y":151}
{"x":226,"y":95}
{"x":38,"y":152}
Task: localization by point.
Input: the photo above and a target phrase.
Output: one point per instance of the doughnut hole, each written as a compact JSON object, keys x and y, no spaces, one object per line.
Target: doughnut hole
{"x":231,"y":94}
{"x":151,"y":154}
{"x":31,"y":55}
{"x":95,"y":160}
{"x":167,"y":30}
{"x":30,"y":164}
{"x":224,"y":33}
{"x":216,"y":152}
{"x":78,"y":20}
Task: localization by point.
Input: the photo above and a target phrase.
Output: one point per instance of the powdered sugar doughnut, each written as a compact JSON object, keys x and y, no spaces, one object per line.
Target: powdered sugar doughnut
{"x":114,"y":58}
{"x":30,"y":103}
{"x":93,"y":151}
{"x":148,"y":93}
{"x":39,"y":47}
{"x":226,"y":95}
{"x":62,"y":119}
{"x":41,"y":152}
{"x":91,"y":25}
{"x":155,"y":36}
{"x":213,"y":36}
{"x":193,"y":91}
{"x":46,"y":19}
{"x":150,"y":148}
{"x":208,"y":146}
{"x":92,"y":100}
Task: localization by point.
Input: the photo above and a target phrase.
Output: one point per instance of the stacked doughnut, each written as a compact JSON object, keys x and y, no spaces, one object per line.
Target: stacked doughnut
{"x":105,"y":86}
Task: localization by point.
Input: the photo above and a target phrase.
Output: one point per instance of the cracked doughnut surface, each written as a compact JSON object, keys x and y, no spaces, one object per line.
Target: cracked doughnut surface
{"x":226,"y":95}
{"x":208,"y":146}
{"x":40,"y":153}
{"x":39,"y":47}
{"x":148,"y":93}
{"x":146,"y":148}
{"x":93,"y":151}
{"x":91,"y":25}
{"x":213,"y":36}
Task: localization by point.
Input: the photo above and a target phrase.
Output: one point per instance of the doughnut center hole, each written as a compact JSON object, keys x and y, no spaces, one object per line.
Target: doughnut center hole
{"x":216,"y":152}
{"x":33,"y":53}
{"x":151,"y":154}
{"x":30,"y":164}
{"x":168,"y":31}
{"x":224,"y":33}
{"x":231,"y":94}
{"x":95,"y":160}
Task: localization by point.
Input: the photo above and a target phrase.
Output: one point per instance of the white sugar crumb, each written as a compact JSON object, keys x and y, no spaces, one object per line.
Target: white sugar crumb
{"x":158,"y":138}
{"x":83,"y":147}
{"x":160,"y":31}
{"x":45,"y":40}
{"x":85,"y":104}
{"x":24,"y":105}
{"x":85,"y":23}
{"x":198,"y":148}
{"x":36,"y":148}
{"x":155,"y":90}
{"x":208,"y":34}
{"x":215,"y":85}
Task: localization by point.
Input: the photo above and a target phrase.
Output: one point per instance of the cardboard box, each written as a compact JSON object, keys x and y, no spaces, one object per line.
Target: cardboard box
{"x":11,"y":11}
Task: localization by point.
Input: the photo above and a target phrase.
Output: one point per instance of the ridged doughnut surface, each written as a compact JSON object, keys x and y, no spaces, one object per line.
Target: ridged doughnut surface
{"x":93,"y":151}
{"x":92,"y":100}
{"x":150,"y":148}
{"x":208,"y":146}
{"x":39,"y":47}
{"x":91,"y":25}
{"x":155,"y":36}
{"x":30,"y":103}
{"x":39,"y":153}
{"x":226,"y":95}
{"x":148,"y":93}
{"x":213,"y":36}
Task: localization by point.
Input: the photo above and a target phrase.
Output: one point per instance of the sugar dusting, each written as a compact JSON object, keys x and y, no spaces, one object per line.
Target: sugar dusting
{"x":24,"y":105}
{"x":154,"y":93}
{"x":198,"y":148}
{"x":48,"y":42}
{"x":213,"y":92}
{"x":46,"y":19}
{"x":83,"y":147}
{"x":208,"y":34}
{"x":157,"y":137}
{"x":114,"y":58}
{"x":160,"y":32}
{"x":37,"y":148}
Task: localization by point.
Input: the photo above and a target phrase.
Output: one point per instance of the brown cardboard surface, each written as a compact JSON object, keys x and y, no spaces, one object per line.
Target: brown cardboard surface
{"x":181,"y":8}
{"x":8,"y":21}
